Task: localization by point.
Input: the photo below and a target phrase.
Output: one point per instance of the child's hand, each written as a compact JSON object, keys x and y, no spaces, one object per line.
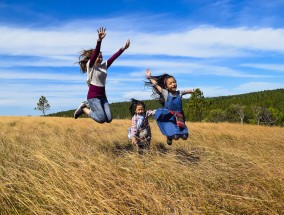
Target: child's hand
{"x":101,"y":33}
{"x":153,"y":81}
{"x":134,"y":141}
{"x":148,"y":73}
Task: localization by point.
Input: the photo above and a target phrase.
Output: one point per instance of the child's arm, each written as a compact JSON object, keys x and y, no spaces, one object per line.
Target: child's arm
{"x":153,"y":81}
{"x":189,"y":91}
{"x":118,"y":53}
{"x":150,"y":112}
{"x":101,"y":35}
{"x":183,"y":92}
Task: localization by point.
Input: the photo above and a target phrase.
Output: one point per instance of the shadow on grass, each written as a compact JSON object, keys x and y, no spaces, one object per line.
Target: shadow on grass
{"x":121,"y":148}
{"x":161,"y":148}
{"x":185,"y":156}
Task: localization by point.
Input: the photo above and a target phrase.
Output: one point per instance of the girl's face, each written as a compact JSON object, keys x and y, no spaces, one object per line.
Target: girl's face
{"x":171,"y":84}
{"x":139,"y":110}
{"x":99,"y":59}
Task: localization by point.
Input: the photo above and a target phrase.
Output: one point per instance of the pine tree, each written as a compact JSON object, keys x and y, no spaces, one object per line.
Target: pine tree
{"x":197,"y":105}
{"x":42,"y":105}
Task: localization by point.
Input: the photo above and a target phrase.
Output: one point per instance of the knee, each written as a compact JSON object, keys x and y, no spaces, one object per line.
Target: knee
{"x":106,"y":119}
{"x":98,"y":117}
{"x":101,"y":119}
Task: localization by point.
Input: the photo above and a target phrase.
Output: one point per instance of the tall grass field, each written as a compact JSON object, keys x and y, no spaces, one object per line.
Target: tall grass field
{"x":52,"y":165}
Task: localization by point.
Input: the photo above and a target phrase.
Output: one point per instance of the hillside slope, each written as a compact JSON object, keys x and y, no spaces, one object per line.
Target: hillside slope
{"x":272,"y":100}
{"x":53,"y":165}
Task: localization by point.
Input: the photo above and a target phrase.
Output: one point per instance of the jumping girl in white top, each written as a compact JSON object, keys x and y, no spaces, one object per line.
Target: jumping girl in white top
{"x":91,"y":62}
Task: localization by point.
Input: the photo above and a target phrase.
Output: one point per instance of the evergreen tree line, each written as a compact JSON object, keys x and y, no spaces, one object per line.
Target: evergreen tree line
{"x":261,"y":108}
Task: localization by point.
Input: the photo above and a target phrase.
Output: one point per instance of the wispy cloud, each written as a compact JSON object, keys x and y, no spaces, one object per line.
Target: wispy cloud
{"x":18,"y":75}
{"x":247,"y":87}
{"x":259,"y":86}
{"x":202,"y":42}
{"x":271,"y":67}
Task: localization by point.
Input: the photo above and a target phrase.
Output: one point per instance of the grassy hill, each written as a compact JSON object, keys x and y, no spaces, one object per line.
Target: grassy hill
{"x":66,"y":166}
{"x":270,"y":100}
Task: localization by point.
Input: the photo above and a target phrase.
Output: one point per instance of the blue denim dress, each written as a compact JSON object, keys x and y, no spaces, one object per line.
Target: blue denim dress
{"x":166,"y":120}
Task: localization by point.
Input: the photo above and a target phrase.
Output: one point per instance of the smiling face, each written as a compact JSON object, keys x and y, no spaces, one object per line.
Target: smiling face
{"x":171,"y":84}
{"x":139,"y":110}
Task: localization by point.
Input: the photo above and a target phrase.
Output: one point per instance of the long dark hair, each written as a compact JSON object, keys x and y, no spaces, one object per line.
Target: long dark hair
{"x":134,"y":104}
{"x":161,"y":81}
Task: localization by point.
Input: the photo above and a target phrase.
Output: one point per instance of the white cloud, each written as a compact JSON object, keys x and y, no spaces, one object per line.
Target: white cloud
{"x":258,"y":86}
{"x":51,"y":61}
{"x":271,"y":67}
{"x":199,"y":42}
{"x":215,"y":91}
{"x":176,"y":67}
{"x":140,"y":95}
{"x":40,"y":75}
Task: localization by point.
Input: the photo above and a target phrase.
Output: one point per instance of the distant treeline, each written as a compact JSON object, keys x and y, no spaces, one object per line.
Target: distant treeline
{"x":262,"y":108}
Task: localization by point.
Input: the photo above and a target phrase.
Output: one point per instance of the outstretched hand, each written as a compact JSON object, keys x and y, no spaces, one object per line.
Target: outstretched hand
{"x":152,"y":80}
{"x":101,"y":33}
{"x":148,"y":73}
{"x":127,"y":44}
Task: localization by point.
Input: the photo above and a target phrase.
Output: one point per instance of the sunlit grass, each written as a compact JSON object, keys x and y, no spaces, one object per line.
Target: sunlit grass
{"x":66,"y":166}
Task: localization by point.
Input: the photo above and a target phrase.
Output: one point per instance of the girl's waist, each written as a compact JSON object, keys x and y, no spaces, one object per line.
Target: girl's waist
{"x":178,"y":110}
{"x":96,"y":92}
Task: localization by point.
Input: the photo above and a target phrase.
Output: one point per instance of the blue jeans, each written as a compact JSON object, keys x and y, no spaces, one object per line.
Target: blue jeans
{"x":100,"y":110}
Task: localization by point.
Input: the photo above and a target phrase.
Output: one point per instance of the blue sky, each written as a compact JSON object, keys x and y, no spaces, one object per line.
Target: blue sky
{"x":224,"y":47}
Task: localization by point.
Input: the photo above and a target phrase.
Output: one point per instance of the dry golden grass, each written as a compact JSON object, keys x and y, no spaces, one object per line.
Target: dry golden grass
{"x":67,"y":166}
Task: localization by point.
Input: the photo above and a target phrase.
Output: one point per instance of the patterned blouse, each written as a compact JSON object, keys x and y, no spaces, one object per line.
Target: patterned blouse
{"x":138,"y":119}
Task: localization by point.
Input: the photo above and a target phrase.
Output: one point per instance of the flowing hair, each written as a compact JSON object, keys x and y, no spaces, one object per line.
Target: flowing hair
{"x":134,"y":104}
{"x":161,"y":81}
{"x":84,"y":56}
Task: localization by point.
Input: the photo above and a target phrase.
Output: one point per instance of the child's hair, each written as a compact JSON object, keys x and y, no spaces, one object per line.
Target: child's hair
{"x":134,"y":104}
{"x":85,"y":55}
{"x":161,"y":81}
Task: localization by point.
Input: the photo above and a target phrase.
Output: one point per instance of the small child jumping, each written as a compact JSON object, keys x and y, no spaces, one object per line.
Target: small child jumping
{"x":140,"y":131}
{"x":170,"y":118}
{"x":90,"y":61}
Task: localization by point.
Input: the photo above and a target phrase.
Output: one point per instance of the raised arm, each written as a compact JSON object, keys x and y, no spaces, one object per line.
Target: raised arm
{"x":183,"y":92}
{"x":118,"y":53}
{"x":101,"y":36}
{"x":189,"y":91}
{"x":153,"y":81}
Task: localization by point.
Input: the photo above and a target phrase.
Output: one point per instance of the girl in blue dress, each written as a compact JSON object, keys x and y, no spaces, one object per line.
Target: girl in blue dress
{"x":170,"y":118}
